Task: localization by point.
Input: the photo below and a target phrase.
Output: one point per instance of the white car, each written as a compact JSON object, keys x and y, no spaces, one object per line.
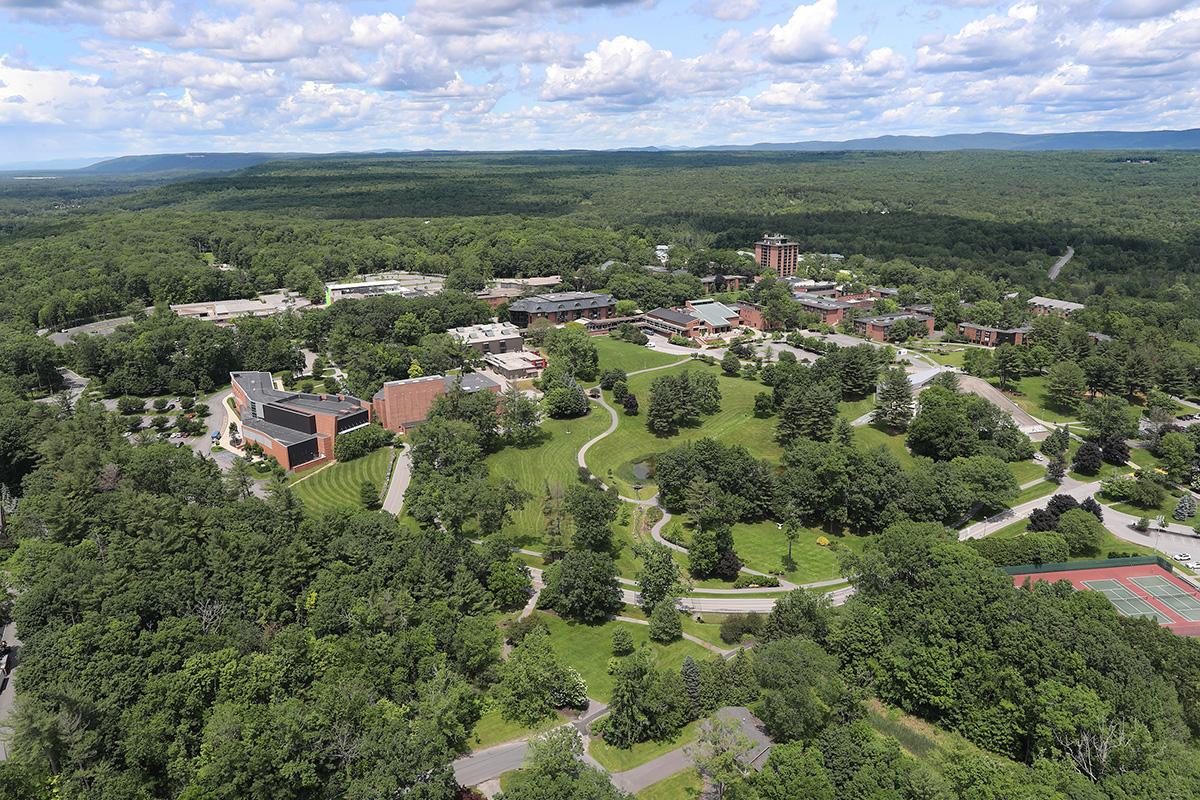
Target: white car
{"x":1182,"y":557}
{"x":1194,"y":566}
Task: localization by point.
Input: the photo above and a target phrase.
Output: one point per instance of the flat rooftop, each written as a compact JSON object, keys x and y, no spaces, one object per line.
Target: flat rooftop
{"x":260,"y":387}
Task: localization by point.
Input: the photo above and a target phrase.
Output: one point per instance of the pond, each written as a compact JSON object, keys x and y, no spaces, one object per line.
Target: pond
{"x":643,"y":470}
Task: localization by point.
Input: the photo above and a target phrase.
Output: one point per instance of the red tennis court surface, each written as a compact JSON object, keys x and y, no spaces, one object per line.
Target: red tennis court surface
{"x":1144,"y":590}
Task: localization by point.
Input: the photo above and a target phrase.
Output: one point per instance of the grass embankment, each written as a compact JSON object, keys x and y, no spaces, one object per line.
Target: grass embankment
{"x":686,"y":785}
{"x":1108,"y":543}
{"x":492,"y":729}
{"x":763,"y":546}
{"x":340,"y":484}
{"x":617,"y":354}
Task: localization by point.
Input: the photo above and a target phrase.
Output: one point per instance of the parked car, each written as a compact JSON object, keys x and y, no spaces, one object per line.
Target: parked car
{"x":1184,"y":557}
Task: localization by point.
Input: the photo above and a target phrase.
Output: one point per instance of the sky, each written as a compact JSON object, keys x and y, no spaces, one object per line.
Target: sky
{"x":90,"y":78}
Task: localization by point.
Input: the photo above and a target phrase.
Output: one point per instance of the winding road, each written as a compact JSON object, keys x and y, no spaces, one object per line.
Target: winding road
{"x":1062,"y":262}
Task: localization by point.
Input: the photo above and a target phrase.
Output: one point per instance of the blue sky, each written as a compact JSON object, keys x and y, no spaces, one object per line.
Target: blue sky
{"x":82,"y":78}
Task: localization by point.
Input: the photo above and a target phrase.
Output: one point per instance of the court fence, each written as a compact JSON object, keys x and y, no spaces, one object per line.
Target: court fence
{"x":1090,"y":563}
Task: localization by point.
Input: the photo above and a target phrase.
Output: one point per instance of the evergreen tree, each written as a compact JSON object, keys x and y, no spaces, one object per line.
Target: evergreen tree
{"x":1185,"y":508}
{"x":630,"y":404}
{"x":764,"y":404}
{"x":1094,"y":508}
{"x":1065,"y":385}
{"x":894,"y":400}
{"x":689,"y":670}
{"x":1088,"y":459}
{"x":730,"y":364}
{"x":1056,"y":470}
{"x":742,"y":688}
{"x":622,"y":642}
{"x":1057,"y":442}
{"x":368,"y":494}
{"x":1115,"y":450}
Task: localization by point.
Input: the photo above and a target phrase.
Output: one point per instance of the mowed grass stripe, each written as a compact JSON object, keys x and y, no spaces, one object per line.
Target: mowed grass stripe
{"x":340,"y":484}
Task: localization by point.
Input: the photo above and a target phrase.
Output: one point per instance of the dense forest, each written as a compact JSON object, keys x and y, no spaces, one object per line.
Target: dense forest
{"x":70,"y":248}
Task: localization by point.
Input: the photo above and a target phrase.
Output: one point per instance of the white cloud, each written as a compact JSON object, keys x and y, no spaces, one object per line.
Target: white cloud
{"x":805,"y":36}
{"x":621,"y":71}
{"x":1141,"y":9}
{"x":728,"y":10}
{"x":1014,"y":40}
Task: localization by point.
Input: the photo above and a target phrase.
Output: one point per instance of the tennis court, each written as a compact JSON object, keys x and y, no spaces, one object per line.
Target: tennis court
{"x":1126,"y":602}
{"x":1135,"y":590}
{"x":1172,"y":595}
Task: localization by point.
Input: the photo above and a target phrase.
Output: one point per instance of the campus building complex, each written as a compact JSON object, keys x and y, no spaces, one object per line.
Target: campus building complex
{"x":409,"y":284}
{"x":298,"y":429}
{"x":559,"y":307}
{"x":401,"y":405}
{"x":775,"y":252}
{"x":827,"y":310}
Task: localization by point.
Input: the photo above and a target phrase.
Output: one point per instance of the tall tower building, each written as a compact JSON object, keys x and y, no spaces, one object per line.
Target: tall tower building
{"x":777,"y":253}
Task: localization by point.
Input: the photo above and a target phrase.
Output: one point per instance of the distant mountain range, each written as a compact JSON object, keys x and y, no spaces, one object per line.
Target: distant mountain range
{"x":1029,"y":142}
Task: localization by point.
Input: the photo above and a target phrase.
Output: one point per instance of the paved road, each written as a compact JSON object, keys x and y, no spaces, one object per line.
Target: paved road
{"x":8,"y":695}
{"x":1062,"y":262}
{"x":1023,"y":419}
{"x":401,"y":477}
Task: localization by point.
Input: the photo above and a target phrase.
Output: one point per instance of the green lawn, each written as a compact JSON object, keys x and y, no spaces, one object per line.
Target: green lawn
{"x":1033,"y":492}
{"x":762,"y":546}
{"x":1031,"y":396}
{"x":587,"y":648}
{"x":872,"y":437}
{"x":853,"y":409}
{"x":945,"y":356}
{"x":552,"y":460}
{"x":1165,"y":508}
{"x":339,"y":484}
{"x":492,"y":729}
{"x":614,"y":759}
{"x":618,"y":354}
{"x":1025,"y":471}
{"x":685,"y":785}
{"x":612,"y":458}
{"x":709,"y":630}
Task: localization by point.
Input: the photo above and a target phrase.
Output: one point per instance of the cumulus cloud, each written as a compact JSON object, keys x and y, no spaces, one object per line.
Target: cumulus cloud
{"x":805,"y":36}
{"x":728,"y":9}
{"x":620,"y":71}
{"x":1011,"y":40}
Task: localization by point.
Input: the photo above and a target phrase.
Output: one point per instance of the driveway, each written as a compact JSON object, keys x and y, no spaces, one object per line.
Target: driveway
{"x":8,"y":694}
{"x":1023,"y":419}
{"x":393,"y":502}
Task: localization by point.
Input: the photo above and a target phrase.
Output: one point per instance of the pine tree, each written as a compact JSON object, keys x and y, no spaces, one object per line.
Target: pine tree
{"x":843,"y":433}
{"x":622,"y":642}
{"x":368,"y":493}
{"x":689,"y":670}
{"x":742,"y":688}
{"x":894,"y":400}
{"x":1115,"y":450}
{"x":665,"y":625}
{"x":1092,"y":507}
{"x":1056,"y":470}
{"x":1088,"y":459}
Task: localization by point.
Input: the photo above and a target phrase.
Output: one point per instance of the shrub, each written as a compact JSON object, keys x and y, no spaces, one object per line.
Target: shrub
{"x":736,"y":626}
{"x":131,"y":405}
{"x":747,"y":581}
{"x":1143,"y":524}
{"x":359,"y":443}
{"x":630,"y":404}
{"x":521,"y":628}
{"x":622,"y":642}
{"x":620,"y":390}
{"x":161,"y":403}
{"x":609,"y":378}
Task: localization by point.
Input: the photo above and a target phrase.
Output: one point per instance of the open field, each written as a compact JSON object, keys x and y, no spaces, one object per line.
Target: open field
{"x":339,"y":484}
{"x":552,"y":460}
{"x":587,"y":648}
{"x":1040,"y":489}
{"x":618,"y":354}
{"x":1030,"y":395}
{"x":762,"y":546}
{"x":872,"y":437}
{"x":612,"y":458}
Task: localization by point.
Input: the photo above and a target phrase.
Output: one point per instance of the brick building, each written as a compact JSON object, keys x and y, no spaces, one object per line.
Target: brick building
{"x":751,"y":316}
{"x":298,"y":429}
{"x":401,"y":405}
{"x":776,"y":253}
{"x":560,"y":307}
{"x":877,"y":328}
{"x":828,"y":310}
{"x":698,"y":319}
{"x":992,"y":337}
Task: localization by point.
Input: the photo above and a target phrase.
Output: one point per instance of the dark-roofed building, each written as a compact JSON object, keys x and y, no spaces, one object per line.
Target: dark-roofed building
{"x":297,"y":429}
{"x":877,"y":328}
{"x":401,"y":405}
{"x":672,"y":322}
{"x":828,"y":310}
{"x":992,"y":337}
{"x":560,"y":307}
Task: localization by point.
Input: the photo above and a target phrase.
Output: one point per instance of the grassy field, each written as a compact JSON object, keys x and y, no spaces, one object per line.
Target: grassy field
{"x":872,"y":437}
{"x":1026,"y":471}
{"x":1031,"y":397}
{"x":339,"y":484}
{"x":1165,"y":508}
{"x":946,"y":356}
{"x":853,"y":409}
{"x":587,"y":648}
{"x":612,"y":458}
{"x":709,"y":630}
{"x":618,"y":354}
{"x":492,"y":729}
{"x":762,"y":546}
{"x":1040,"y":489}
{"x":553,"y":460}
{"x":614,"y":759}
{"x":685,"y":785}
